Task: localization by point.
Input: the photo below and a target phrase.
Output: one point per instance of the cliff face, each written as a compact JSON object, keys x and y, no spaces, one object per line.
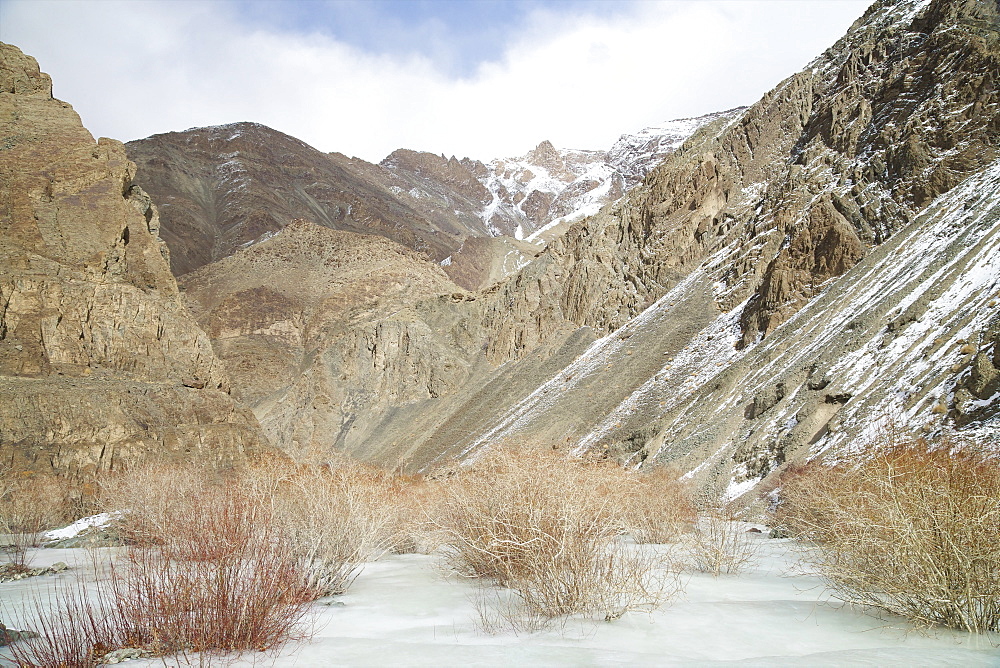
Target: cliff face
{"x":99,"y":359}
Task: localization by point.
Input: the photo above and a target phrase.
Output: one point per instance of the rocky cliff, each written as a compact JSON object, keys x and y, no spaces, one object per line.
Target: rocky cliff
{"x":714,"y":281}
{"x":801,"y":186}
{"x":100,"y":361}
{"x":650,"y":330}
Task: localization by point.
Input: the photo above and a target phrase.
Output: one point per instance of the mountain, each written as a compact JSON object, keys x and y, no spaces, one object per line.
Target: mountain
{"x":771,"y":290}
{"x":653,"y":329}
{"x":537,"y":195}
{"x":100,"y":361}
{"x":696,"y":279}
{"x":225,"y":187}
{"x":328,"y":333}
{"x":220,"y":188}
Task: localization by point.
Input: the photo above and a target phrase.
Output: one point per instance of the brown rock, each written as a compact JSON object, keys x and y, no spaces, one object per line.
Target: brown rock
{"x":89,"y":312}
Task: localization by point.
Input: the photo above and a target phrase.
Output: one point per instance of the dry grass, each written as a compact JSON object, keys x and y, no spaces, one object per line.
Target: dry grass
{"x":548,"y":527}
{"x":913,"y":528}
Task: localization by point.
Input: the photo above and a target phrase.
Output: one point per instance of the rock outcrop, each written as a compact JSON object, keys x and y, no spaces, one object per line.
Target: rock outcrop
{"x":99,"y":359}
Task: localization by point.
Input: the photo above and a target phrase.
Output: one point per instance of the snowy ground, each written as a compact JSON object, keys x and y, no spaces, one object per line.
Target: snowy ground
{"x":406,"y":610}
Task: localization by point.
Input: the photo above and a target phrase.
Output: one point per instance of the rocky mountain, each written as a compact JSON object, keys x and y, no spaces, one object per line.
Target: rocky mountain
{"x":535,"y":197}
{"x":325,"y":331}
{"x":771,"y":290}
{"x":100,"y":361}
{"x":222,"y":188}
{"x":697,"y":278}
{"x":667,"y":305}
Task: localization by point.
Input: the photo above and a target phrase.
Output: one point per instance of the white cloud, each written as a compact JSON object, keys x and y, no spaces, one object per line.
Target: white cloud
{"x":136,"y":68}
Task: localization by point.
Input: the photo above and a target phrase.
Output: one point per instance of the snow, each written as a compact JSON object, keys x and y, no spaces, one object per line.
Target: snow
{"x":407,"y":610}
{"x":578,"y":182}
{"x":82,"y":524}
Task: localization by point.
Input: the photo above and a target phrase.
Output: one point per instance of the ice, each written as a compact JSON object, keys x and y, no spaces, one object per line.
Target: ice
{"x":408,"y":610}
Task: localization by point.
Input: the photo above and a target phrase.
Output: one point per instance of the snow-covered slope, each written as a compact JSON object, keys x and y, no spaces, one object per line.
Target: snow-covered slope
{"x":634,"y":155}
{"x":549,"y":186}
{"x":909,"y":336}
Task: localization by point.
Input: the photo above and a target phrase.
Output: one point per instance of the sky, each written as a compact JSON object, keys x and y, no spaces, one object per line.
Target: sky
{"x":474,"y":79}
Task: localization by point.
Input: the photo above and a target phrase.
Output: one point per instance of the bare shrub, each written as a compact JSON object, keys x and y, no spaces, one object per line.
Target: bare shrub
{"x":720,"y":545}
{"x":152,"y":498}
{"x":335,"y":518}
{"x":209,"y":569}
{"x":548,"y":527}
{"x":912,"y":528}
{"x":657,"y":506}
{"x":29,"y":505}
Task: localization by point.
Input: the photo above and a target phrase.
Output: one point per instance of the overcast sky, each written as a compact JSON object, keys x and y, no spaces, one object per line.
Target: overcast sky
{"x":363,"y":77}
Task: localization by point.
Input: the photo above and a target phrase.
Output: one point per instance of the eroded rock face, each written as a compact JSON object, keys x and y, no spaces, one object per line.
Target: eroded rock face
{"x":89,"y":312}
{"x":223,"y":187}
{"x":803,"y":184}
{"x":327,"y":334}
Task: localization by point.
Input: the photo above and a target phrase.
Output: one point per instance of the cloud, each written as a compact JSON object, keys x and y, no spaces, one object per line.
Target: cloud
{"x":578,"y":78}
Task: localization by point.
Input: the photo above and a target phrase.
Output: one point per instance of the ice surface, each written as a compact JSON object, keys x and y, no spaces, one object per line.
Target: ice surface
{"x":407,"y":610}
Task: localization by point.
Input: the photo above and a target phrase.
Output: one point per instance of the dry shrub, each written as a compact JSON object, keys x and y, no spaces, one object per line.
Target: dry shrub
{"x":219,"y":577}
{"x":720,"y":545}
{"x":417,"y":499}
{"x":154,"y":497}
{"x":548,"y":527}
{"x":29,"y":505}
{"x":911,"y":528}
{"x":335,"y":518}
{"x":658,"y":506}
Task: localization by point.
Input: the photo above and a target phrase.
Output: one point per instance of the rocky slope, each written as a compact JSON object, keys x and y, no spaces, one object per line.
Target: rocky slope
{"x":769,"y":291}
{"x":220,"y":188}
{"x":693,"y":274}
{"x":329,"y":334}
{"x":750,"y":302}
{"x":100,"y":361}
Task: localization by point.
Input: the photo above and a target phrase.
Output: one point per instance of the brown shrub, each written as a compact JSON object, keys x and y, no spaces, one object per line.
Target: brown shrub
{"x":547,"y":526}
{"x":219,"y":576}
{"x":658,"y":506}
{"x":30,"y":504}
{"x":913,"y":528}
{"x":335,"y":518}
{"x":721,"y":545}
